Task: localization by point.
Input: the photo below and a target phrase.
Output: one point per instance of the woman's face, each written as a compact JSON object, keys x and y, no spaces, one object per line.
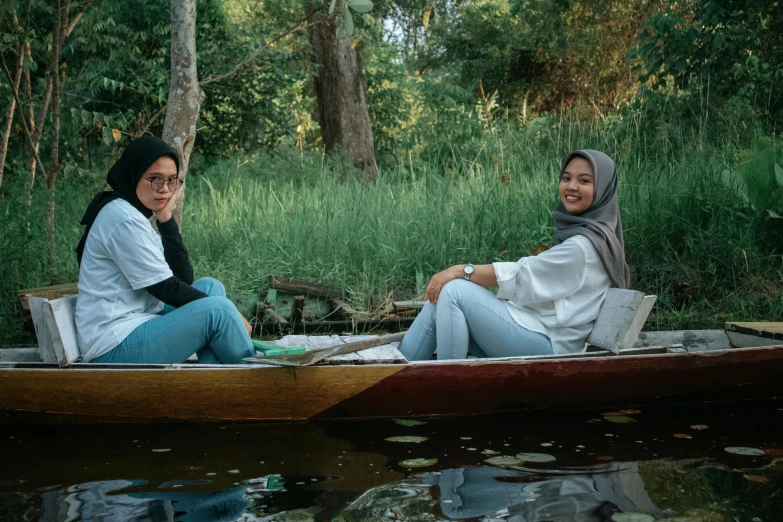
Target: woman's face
{"x":162,"y":170}
{"x":577,"y":186}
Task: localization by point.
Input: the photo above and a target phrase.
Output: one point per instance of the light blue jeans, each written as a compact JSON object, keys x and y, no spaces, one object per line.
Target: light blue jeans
{"x":469,"y":318}
{"x":211,"y":327}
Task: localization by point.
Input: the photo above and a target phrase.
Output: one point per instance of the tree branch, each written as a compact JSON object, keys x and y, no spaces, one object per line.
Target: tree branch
{"x":24,"y":121}
{"x":238,"y":67}
{"x":241,"y":65}
{"x":75,"y":20}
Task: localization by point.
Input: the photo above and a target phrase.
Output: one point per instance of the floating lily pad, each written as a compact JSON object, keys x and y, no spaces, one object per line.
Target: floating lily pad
{"x":757,"y":478}
{"x":409,"y":422}
{"x":630,"y":412}
{"x":740,"y":450}
{"x":489,"y":452}
{"x":407,"y":438}
{"x":593,"y":421}
{"x":518,"y":460}
{"x":699,"y":427}
{"x":632,"y":517}
{"x":418,"y":463}
{"x":536,"y":457}
{"x":503,"y":461}
{"x":620,"y":419}
{"x":774,"y":452}
{"x":682,"y":436}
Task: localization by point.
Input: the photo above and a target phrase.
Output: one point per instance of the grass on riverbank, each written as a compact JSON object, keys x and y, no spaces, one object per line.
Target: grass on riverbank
{"x":690,"y":238}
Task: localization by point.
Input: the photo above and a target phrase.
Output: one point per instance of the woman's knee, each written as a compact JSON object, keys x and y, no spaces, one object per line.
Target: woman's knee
{"x":210,"y":286}
{"x":455,"y":288}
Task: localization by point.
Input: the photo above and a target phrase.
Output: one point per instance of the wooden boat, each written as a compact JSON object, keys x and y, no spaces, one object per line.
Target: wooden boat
{"x":743,"y":362}
{"x":706,"y":368}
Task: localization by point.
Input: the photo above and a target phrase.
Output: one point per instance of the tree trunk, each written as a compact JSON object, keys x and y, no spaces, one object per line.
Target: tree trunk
{"x":11,"y":107}
{"x":340,"y":88}
{"x":185,"y":94}
{"x":54,"y":155}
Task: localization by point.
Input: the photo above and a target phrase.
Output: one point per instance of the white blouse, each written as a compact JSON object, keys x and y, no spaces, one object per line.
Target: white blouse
{"x":557,"y":293}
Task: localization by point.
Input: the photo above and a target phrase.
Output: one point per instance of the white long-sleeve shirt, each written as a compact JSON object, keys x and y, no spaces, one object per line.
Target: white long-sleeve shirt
{"x":557,"y":293}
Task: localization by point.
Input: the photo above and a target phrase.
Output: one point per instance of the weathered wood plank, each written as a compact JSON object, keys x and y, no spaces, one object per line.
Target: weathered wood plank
{"x":13,"y":355}
{"x":620,"y":319}
{"x":637,"y":323}
{"x":47,"y":292}
{"x":408,"y":305}
{"x":304,"y":287}
{"x":297,"y":310}
{"x":691,"y":340}
{"x":41,"y":330}
{"x":310,"y":342}
{"x":760,"y":329}
{"x":58,"y":316}
{"x":741,"y":340}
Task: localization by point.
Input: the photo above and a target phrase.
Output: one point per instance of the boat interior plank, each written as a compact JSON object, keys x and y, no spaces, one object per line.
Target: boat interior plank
{"x":13,"y":355}
{"x":743,"y":340}
{"x":691,"y":340}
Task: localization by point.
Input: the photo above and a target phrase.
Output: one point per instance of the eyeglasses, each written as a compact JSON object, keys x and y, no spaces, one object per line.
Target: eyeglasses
{"x":157,"y":183}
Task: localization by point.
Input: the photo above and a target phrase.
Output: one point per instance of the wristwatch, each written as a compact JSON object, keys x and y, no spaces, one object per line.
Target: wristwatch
{"x":468,"y":270}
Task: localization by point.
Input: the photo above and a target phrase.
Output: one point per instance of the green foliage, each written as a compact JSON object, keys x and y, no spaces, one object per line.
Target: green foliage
{"x":730,"y":49}
{"x":247,"y":217}
{"x":759,"y":179}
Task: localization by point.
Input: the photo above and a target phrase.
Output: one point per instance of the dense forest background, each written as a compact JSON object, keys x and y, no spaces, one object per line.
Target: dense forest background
{"x":469,"y":107}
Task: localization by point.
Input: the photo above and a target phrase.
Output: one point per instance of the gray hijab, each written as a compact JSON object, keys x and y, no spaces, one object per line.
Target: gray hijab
{"x":600,"y":223}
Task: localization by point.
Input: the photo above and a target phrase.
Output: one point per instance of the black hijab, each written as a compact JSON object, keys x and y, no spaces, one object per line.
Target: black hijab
{"x":600,"y":223}
{"x":123,"y":178}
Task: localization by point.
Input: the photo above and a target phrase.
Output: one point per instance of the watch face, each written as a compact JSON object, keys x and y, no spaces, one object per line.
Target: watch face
{"x":469,"y":269}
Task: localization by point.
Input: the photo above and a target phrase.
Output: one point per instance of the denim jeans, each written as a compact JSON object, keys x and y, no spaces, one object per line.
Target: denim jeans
{"x":469,"y":318}
{"x":211,"y":327}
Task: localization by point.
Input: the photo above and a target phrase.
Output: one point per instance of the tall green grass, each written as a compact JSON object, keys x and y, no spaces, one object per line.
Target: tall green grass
{"x":689,"y":236}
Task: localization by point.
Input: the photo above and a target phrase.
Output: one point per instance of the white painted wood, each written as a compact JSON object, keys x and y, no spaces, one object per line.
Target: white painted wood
{"x":387,"y":352}
{"x":310,"y":342}
{"x":742,"y":340}
{"x":620,"y":319}
{"x":59,"y":319}
{"x":41,"y":331}
{"x":692,"y":340}
{"x":20,"y":355}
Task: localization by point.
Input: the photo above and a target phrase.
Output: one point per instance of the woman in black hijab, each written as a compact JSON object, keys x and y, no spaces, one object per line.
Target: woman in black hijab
{"x":546,"y":303}
{"x":138,"y":302}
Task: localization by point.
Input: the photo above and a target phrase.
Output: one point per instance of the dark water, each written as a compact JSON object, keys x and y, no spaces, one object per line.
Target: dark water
{"x":663,"y":464}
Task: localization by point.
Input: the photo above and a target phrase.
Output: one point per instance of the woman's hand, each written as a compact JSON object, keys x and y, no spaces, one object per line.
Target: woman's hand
{"x":165,"y":213}
{"x":440,"y":279}
{"x":248,"y":326}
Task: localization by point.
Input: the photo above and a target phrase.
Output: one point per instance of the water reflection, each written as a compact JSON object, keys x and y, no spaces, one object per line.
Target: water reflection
{"x":667,"y":464}
{"x":590,"y":495}
{"x":106,"y":501}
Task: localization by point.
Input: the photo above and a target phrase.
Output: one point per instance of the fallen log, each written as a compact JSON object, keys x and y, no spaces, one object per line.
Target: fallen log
{"x":304,"y":287}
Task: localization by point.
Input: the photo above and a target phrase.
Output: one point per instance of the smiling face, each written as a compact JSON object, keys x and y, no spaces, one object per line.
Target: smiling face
{"x":577,"y":186}
{"x":163,"y":169}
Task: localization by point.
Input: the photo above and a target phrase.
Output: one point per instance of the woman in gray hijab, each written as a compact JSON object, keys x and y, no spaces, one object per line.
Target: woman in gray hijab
{"x":546,"y":303}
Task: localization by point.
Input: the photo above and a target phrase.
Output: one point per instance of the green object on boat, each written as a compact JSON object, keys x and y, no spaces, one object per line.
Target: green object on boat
{"x":271,"y":349}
